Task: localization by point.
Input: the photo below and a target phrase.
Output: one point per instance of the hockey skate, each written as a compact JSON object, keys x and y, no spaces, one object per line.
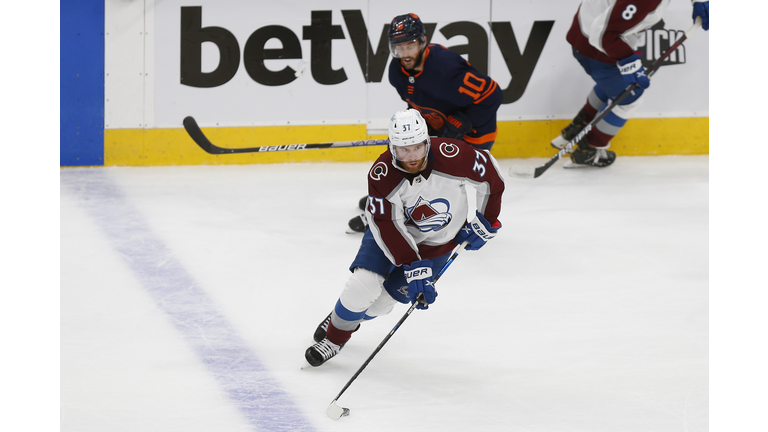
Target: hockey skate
{"x":587,"y":156}
{"x":357,"y":224}
{"x":570,"y":131}
{"x":323,"y":327}
{"x":321,"y":352}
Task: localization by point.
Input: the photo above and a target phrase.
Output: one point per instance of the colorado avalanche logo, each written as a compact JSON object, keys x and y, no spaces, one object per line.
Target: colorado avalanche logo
{"x":429,"y":215}
{"x":449,"y":150}
{"x":378,"y":171}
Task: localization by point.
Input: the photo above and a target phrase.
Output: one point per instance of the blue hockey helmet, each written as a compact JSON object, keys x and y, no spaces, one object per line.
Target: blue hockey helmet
{"x":406,"y":28}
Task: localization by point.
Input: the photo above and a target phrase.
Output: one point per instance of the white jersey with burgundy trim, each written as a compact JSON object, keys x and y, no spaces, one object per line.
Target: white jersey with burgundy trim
{"x":417,"y":216}
{"x":610,"y":30}
{"x":626,"y":18}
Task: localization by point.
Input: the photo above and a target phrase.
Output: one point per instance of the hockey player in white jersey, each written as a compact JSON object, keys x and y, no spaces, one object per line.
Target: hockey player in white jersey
{"x":417,"y":213}
{"x":604,"y":36}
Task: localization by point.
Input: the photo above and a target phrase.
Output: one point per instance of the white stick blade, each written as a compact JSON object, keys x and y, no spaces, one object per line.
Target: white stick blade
{"x":522,"y":172}
{"x":336,"y":412}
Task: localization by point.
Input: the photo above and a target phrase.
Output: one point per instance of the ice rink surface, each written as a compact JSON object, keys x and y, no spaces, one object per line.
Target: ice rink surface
{"x":189,"y":294}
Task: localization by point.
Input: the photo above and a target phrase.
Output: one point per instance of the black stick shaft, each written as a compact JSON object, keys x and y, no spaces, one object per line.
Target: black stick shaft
{"x":201,"y":140}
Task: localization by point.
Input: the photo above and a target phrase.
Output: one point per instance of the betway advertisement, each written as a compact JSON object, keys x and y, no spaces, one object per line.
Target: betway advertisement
{"x":241,"y":63}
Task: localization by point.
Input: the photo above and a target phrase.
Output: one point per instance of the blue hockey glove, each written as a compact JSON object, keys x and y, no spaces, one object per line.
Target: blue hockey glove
{"x":419,"y":278}
{"x":701,"y":9}
{"x":477,"y":232}
{"x":455,"y":126}
{"x":632,"y":71}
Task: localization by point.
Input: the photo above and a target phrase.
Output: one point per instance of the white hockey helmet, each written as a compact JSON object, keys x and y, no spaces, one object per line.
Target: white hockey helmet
{"x":407,"y":128}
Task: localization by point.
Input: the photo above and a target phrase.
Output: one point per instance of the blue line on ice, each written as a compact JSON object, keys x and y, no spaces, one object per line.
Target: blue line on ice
{"x":236,"y":369}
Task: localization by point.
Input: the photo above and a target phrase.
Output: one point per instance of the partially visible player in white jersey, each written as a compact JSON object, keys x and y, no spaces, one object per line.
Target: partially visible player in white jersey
{"x":605,"y":35}
{"x":417,"y":213}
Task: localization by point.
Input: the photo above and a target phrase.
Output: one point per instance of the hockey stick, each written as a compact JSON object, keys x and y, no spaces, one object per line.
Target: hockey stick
{"x":335,"y":411}
{"x":530,"y":172}
{"x":199,"y":137}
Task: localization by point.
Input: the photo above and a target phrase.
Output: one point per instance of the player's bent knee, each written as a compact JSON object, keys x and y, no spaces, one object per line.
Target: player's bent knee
{"x":362,"y":290}
{"x":382,"y":306}
{"x":625,"y":111}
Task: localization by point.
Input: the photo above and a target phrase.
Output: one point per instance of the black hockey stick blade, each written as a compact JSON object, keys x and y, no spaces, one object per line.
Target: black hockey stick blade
{"x":526,"y":172}
{"x":197,"y":135}
{"x":530,"y":173}
{"x":201,"y":140}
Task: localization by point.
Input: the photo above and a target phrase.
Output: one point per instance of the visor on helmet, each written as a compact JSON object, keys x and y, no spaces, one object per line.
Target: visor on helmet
{"x":410,"y":48}
{"x":407,"y":36}
{"x":410,"y":153}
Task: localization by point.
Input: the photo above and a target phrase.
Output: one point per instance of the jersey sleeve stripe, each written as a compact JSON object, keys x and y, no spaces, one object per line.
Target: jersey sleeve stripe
{"x":490,"y":91}
{"x":481,"y":139}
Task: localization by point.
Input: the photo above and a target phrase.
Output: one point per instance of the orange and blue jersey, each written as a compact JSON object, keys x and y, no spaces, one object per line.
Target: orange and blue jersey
{"x":446,"y":84}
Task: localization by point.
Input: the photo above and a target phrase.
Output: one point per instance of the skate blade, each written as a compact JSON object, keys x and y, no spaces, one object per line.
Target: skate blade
{"x":569,"y":164}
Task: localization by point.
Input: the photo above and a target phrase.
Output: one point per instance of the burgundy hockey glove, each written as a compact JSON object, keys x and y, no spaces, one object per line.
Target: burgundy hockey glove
{"x":477,"y":232}
{"x":420,"y":281}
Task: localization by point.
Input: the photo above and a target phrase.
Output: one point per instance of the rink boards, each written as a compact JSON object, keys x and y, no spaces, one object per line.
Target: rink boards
{"x":281,"y":73}
{"x":522,"y":139}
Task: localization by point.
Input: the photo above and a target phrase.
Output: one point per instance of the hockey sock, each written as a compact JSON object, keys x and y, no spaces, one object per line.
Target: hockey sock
{"x":589,"y":111}
{"x":598,"y":138}
{"x":339,"y":337}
